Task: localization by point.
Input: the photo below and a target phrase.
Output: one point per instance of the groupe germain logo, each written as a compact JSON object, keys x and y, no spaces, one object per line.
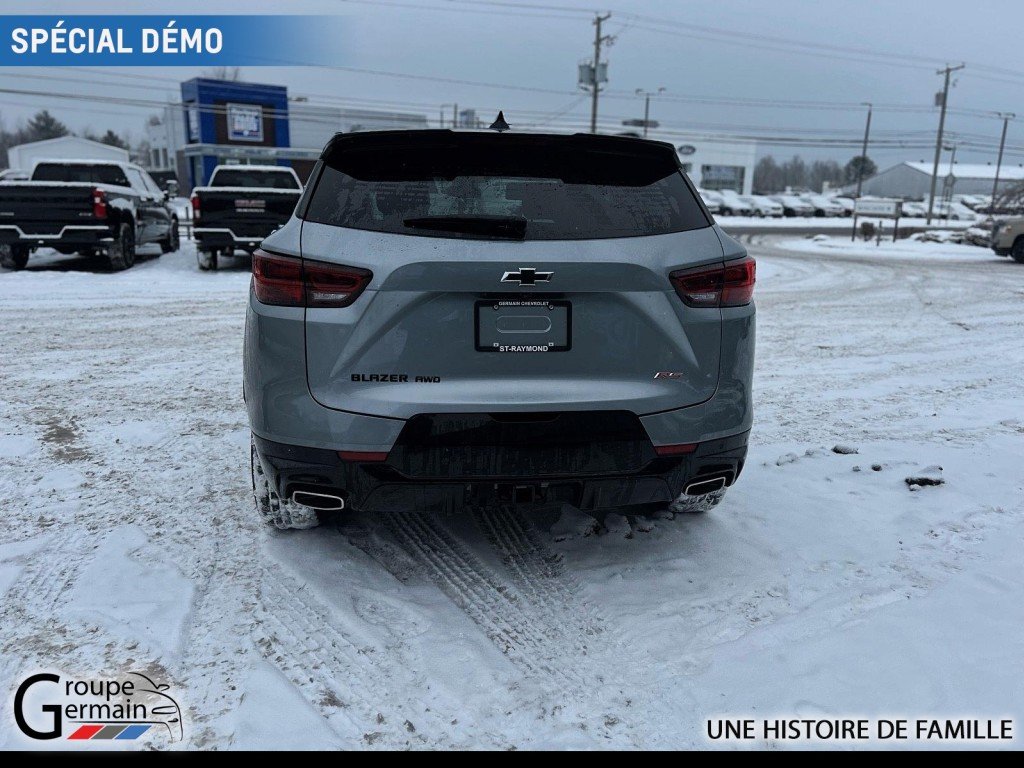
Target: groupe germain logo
{"x":48,"y":706}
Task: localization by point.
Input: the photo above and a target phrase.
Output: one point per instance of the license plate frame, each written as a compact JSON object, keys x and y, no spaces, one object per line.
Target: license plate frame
{"x":489,"y":338}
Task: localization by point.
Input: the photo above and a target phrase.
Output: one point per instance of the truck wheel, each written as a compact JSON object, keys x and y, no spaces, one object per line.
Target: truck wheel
{"x":13,"y":256}
{"x":173,"y":240}
{"x":1017,"y":252}
{"x":207,"y":260}
{"x":122,"y":252}
{"x":269,"y":506}
{"x":697,"y":504}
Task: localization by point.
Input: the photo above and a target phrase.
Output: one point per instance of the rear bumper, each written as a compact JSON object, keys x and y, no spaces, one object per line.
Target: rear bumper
{"x":70,"y":235}
{"x":224,"y":237}
{"x":382,"y":487}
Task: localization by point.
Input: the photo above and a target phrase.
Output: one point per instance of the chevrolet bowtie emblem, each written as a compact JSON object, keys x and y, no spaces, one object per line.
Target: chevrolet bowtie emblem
{"x":527,"y":276}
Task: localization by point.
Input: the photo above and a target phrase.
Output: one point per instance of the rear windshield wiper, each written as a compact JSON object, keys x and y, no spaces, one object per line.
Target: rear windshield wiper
{"x":510,"y":227}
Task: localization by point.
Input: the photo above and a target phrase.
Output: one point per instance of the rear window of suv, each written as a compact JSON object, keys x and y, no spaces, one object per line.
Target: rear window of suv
{"x":540,"y":187}
{"x":243,"y":178}
{"x":82,"y":172}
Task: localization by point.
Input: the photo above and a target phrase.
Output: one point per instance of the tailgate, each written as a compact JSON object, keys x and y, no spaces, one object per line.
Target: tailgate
{"x":246,"y":212}
{"x":45,"y":208}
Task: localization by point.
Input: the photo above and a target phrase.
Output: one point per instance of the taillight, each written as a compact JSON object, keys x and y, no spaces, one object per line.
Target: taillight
{"x":718,"y":285}
{"x":277,"y":279}
{"x":328,"y":285}
{"x":291,"y":282}
{"x":195,"y":207}
{"x":740,"y":276}
{"x":99,"y":204}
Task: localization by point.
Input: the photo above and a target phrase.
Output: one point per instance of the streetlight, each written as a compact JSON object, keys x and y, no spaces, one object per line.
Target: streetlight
{"x":647,"y":105}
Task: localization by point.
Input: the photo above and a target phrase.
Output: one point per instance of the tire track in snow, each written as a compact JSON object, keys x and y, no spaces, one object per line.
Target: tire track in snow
{"x":539,"y":573}
{"x":296,"y":633}
{"x":512,"y":622}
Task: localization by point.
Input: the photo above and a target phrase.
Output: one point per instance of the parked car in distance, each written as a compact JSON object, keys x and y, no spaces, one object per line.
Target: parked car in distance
{"x":974,"y":202}
{"x":240,"y":206}
{"x":460,"y":318}
{"x":847,"y":204}
{"x":84,"y":206}
{"x":1008,"y":238}
{"x":951,"y":211}
{"x":712,"y":200}
{"x":823,"y":206}
{"x":733,"y":204}
{"x":793,"y":205}
{"x":914,"y":210}
{"x":764,"y":206}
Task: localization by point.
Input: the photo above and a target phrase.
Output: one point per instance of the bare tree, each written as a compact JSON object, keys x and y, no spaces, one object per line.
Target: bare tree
{"x":231,"y":74}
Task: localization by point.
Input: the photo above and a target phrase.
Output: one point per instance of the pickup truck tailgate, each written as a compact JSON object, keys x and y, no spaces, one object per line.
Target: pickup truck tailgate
{"x":246,"y":212}
{"x":44,"y":208}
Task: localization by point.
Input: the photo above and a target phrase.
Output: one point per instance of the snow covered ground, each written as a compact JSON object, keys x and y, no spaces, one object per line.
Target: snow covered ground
{"x":886,"y":249}
{"x":829,"y":224}
{"x":824,"y":585}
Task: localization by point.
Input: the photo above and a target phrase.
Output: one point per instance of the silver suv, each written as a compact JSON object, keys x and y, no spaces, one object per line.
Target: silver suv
{"x":478,"y":317}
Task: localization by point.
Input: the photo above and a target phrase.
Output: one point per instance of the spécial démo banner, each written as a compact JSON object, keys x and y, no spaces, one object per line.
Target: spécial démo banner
{"x":236,"y":40}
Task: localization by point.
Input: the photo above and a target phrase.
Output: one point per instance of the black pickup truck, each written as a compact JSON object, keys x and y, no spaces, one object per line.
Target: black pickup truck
{"x":240,"y":206}
{"x":84,"y":206}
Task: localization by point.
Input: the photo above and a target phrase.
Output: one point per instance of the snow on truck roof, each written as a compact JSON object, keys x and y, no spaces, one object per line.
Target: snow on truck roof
{"x":281,"y":168}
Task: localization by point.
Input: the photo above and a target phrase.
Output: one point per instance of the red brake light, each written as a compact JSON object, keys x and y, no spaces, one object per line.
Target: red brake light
{"x":195,"y":206}
{"x":291,"y":282}
{"x":740,"y":277}
{"x":730,"y":284}
{"x":99,"y":203}
{"x":277,"y":279}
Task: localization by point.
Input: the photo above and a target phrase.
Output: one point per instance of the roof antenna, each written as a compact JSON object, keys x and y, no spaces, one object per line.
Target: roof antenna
{"x":499,"y":123}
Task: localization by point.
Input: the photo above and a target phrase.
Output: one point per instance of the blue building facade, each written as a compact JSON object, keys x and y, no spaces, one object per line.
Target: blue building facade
{"x":233,"y":122}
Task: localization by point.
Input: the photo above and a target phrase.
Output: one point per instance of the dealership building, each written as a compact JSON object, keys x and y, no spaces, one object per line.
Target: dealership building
{"x":913,"y":181}
{"x":719,"y":164}
{"x":228,"y":122}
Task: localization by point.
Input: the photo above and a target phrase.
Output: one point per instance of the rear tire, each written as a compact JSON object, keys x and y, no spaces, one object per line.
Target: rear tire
{"x":207,"y":261}
{"x":1017,"y":252}
{"x":269,"y":506}
{"x":14,"y":256}
{"x":172,"y":242}
{"x":697,"y":504}
{"x":122,"y":251}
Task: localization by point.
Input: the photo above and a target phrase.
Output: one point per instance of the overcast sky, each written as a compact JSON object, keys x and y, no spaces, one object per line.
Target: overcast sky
{"x":726,"y":49}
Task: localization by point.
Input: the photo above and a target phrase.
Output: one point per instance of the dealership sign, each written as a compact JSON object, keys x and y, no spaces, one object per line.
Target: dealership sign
{"x":245,"y":122}
{"x":879,"y":209}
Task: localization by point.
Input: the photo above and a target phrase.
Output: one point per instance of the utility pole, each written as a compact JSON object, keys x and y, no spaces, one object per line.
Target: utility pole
{"x":598,"y":42}
{"x":864,"y":149}
{"x":455,"y":115}
{"x":647,"y":106}
{"x":1006,"y":117}
{"x":947,"y":71}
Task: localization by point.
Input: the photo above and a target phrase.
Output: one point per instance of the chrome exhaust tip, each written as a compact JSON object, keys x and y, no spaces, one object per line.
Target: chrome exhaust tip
{"x":325,"y":502}
{"x":705,"y":485}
